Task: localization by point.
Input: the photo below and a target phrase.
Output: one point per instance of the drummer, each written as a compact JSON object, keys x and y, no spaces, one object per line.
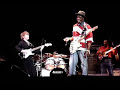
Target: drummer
{"x":55,"y":60}
{"x":56,"y":57}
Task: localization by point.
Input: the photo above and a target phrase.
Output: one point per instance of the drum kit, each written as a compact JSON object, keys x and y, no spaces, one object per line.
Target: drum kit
{"x":50,"y":64}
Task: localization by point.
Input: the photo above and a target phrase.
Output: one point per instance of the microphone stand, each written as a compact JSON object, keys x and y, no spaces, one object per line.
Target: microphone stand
{"x":40,"y":69}
{"x":39,"y":63}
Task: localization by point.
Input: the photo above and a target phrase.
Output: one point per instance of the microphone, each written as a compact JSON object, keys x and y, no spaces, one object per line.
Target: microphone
{"x":66,"y":44}
{"x":112,"y":44}
{"x":43,"y":41}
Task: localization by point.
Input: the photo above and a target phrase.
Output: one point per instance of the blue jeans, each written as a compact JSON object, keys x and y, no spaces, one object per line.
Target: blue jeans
{"x":106,"y":63}
{"x":74,"y":60}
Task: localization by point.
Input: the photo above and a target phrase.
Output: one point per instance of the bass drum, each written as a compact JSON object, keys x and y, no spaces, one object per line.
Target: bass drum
{"x":58,"y":72}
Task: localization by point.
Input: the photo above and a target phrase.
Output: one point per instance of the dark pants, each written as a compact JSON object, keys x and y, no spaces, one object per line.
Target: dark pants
{"x":29,"y":66}
{"x":106,"y":64}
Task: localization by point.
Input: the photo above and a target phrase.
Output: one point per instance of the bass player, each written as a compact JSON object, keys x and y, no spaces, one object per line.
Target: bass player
{"x":105,"y":54}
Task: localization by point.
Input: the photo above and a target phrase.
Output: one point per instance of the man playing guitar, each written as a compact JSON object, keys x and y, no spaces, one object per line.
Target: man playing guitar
{"x":21,"y":47}
{"x":105,"y":54}
{"x":81,"y":42}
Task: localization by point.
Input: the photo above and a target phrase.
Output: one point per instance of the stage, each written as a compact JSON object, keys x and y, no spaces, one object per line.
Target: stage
{"x":51,"y":23}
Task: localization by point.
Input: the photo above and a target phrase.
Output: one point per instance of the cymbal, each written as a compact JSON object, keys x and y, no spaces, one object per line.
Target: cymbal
{"x":64,"y":56}
{"x":57,"y":55}
{"x":47,"y":54}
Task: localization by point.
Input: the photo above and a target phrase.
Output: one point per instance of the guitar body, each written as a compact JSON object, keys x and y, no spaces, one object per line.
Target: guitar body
{"x":101,"y":56}
{"x":74,"y":46}
{"x":29,"y":52}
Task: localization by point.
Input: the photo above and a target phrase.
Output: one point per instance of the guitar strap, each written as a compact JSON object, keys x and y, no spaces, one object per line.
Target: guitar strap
{"x":29,"y":44}
{"x":108,"y":48}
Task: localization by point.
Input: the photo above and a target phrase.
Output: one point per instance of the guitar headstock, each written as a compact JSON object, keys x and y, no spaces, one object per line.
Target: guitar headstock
{"x":94,"y":28}
{"x":118,"y":45}
{"x":48,"y":44}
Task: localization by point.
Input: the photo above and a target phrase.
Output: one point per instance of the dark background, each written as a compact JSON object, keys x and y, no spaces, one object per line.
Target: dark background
{"x":52,"y":23}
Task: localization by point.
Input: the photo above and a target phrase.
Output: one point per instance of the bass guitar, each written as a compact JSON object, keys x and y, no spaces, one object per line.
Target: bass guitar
{"x":105,"y":54}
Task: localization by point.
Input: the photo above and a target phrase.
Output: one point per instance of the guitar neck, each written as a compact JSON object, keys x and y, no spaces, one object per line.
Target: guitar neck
{"x":36,"y":48}
{"x":87,"y":32}
{"x":110,"y":50}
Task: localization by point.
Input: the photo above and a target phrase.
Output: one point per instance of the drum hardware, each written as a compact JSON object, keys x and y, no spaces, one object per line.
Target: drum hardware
{"x":39,"y":62}
{"x":54,"y":66}
{"x":50,"y":64}
{"x":38,"y":68}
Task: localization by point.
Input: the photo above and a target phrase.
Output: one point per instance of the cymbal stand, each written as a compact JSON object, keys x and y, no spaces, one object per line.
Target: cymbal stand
{"x":38,"y":64}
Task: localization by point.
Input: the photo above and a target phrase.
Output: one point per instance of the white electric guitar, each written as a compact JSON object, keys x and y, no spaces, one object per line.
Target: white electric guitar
{"x":28,"y":52}
{"x":75,"y":44}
